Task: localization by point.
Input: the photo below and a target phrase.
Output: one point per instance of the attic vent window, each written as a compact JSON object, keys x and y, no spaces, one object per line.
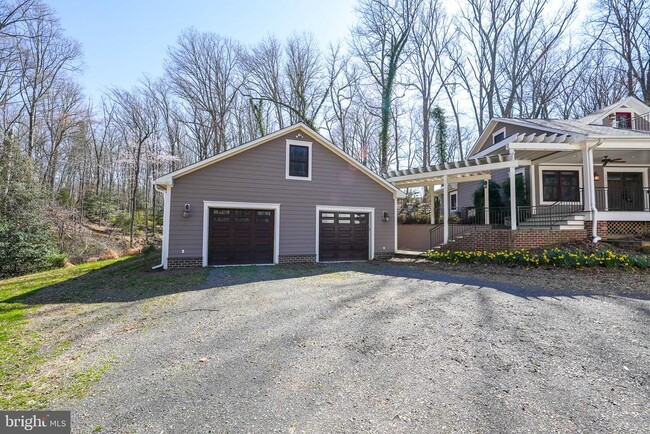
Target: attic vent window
{"x":298,"y":160}
{"x":498,"y":136}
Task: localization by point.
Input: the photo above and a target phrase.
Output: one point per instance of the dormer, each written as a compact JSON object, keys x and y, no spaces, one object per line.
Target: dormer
{"x":623,"y":114}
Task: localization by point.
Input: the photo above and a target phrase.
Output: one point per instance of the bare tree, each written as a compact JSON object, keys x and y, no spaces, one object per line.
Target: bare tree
{"x":428,"y":43}
{"x":380,"y":40}
{"x":203,"y":70}
{"x":503,"y":42}
{"x":62,"y":112}
{"x":44,"y":55}
{"x":626,"y":33}
{"x":136,"y":117}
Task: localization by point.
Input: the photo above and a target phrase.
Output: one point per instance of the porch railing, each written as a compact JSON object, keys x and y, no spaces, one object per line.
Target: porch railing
{"x":641,"y":123}
{"x":550,"y":215}
{"x":614,"y":199}
{"x":469,"y":219}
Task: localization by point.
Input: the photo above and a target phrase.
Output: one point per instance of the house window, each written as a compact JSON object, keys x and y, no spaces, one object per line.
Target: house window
{"x":453,"y":201}
{"x":560,"y":185}
{"x":498,"y":136}
{"x":298,"y":160}
{"x":624,"y":120}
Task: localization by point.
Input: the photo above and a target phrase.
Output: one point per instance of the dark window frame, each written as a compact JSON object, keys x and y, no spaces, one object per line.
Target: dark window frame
{"x":298,"y":160}
{"x":562,"y":191}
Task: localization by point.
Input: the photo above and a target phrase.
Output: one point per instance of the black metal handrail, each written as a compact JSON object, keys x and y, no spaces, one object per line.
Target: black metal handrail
{"x":551,"y":215}
{"x":622,"y":199}
{"x":469,"y":219}
{"x":640,"y":122}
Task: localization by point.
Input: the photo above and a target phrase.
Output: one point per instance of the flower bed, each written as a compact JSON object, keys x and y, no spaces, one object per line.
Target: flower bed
{"x":555,"y":257}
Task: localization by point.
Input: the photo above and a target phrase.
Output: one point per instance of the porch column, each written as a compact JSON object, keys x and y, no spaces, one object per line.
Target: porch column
{"x":433,"y":204}
{"x":532,"y":171}
{"x":445,"y":208}
{"x":513,"y":200}
{"x":486,"y":200}
{"x":587,"y":178}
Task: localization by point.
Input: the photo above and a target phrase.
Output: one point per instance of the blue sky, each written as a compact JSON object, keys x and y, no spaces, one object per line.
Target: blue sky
{"x":122,"y":40}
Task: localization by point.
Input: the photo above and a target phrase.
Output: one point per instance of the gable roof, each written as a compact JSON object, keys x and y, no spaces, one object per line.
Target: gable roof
{"x":629,"y":102}
{"x":584,"y":126}
{"x":168,"y":179}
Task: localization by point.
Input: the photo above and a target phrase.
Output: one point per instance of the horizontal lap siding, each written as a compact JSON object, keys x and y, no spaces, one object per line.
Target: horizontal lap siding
{"x":258,"y":175}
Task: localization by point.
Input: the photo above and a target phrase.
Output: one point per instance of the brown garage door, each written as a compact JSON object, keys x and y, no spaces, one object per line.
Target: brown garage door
{"x":240,"y":236}
{"x":343,"y":236}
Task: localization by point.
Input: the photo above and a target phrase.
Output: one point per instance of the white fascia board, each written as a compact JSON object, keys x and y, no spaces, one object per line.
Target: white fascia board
{"x":518,"y":146}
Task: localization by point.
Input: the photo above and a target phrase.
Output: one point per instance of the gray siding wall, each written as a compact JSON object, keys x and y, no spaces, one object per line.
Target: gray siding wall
{"x":510,"y":130}
{"x":258,"y":175}
{"x":466,"y":189}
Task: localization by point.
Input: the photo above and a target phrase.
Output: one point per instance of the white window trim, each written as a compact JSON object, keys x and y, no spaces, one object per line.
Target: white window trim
{"x":454,"y":193}
{"x":208,"y":204}
{"x":309,"y":159}
{"x":371,"y":231}
{"x":567,"y":168}
{"x":644,"y":175}
{"x":497,"y":132}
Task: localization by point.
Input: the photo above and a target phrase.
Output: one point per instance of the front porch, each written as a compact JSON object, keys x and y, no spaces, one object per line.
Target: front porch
{"x":575,"y":188}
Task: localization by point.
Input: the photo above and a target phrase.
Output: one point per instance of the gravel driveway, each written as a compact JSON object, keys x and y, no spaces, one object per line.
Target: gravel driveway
{"x":379,"y":347}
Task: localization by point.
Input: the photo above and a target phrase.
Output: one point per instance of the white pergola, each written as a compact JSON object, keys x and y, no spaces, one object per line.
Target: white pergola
{"x":481,"y":166}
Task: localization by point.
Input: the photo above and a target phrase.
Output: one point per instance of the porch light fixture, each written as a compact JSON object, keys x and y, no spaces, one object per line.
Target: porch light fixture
{"x":386,"y":218}
{"x":596,"y":176}
{"x":186,"y":210}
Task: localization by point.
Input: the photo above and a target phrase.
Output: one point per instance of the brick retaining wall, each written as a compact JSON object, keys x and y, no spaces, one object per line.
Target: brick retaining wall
{"x":504,"y":239}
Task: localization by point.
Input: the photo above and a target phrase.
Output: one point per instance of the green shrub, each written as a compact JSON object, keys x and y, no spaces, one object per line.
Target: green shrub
{"x":56,"y":260}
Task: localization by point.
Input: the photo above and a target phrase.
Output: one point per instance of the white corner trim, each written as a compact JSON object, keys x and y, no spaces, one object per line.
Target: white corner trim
{"x":395,"y":226}
{"x":309,"y":159}
{"x":208,"y":204}
{"x":567,"y":168}
{"x":167,"y":198}
{"x":350,"y":209}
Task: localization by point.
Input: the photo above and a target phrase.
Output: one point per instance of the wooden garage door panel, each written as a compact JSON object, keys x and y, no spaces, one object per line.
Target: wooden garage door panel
{"x":343,"y":236}
{"x":241,"y":236}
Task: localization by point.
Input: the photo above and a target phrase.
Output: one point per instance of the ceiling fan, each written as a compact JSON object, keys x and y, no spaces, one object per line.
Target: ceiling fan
{"x":606,"y":160}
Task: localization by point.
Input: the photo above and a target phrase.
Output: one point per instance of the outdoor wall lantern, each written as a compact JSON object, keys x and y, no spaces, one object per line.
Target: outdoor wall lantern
{"x":186,"y":210}
{"x":386,"y":218}
{"x":596,"y":177}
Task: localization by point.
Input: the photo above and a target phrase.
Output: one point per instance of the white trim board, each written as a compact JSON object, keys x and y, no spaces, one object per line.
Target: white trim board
{"x":350,"y":209}
{"x":208,"y":204}
{"x":167,"y":198}
{"x":567,"y":168}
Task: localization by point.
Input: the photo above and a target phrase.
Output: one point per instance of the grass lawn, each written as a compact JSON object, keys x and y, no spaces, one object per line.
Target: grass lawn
{"x":41,"y":315}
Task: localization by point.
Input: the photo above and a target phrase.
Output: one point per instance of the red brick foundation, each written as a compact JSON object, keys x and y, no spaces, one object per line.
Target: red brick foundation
{"x":503,"y":239}
{"x":601,"y":228}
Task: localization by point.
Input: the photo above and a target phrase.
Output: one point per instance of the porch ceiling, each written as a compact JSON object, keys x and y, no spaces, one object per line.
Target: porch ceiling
{"x":458,"y":171}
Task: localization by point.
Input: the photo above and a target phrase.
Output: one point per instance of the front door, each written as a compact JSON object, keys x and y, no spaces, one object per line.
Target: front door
{"x":625,"y":191}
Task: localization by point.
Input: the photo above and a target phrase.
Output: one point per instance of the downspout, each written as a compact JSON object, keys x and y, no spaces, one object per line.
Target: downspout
{"x":164,"y":192}
{"x":592,"y":193}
